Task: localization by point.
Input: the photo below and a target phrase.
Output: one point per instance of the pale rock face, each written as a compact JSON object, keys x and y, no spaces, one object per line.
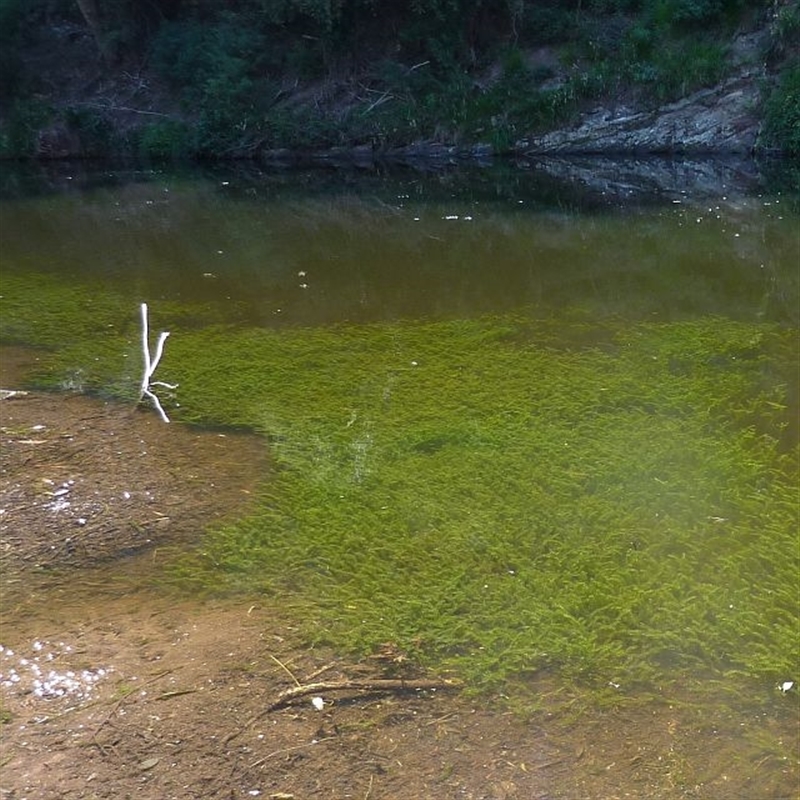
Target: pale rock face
{"x":719,"y":120}
{"x":723,"y":120}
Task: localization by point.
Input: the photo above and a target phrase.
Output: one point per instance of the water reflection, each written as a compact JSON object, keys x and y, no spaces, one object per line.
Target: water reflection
{"x":313,"y":248}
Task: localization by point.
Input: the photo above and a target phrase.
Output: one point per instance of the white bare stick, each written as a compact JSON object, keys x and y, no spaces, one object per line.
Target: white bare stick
{"x":157,"y":404}
{"x":159,"y":352}
{"x":145,"y":352}
{"x":150,"y":364}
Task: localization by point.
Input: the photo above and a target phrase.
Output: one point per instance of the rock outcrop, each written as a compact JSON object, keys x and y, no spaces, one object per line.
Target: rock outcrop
{"x":721,"y":120}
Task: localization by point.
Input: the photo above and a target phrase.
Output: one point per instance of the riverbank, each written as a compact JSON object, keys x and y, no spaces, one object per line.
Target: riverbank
{"x":200,"y":85}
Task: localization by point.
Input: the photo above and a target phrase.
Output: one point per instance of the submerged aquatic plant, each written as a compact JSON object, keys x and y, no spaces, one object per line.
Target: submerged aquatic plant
{"x":506,"y":495}
{"x":492,"y":499}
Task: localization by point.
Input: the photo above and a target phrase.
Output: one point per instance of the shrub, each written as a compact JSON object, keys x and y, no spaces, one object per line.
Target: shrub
{"x":693,"y":13}
{"x":170,"y":139}
{"x":787,"y":24}
{"x":683,"y":69}
{"x":782,"y":113}
{"x":10,"y":61}
{"x":95,"y":131}
{"x":213,"y":68}
{"x":547,"y":24}
{"x":193,"y":54}
{"x":18,"y":134}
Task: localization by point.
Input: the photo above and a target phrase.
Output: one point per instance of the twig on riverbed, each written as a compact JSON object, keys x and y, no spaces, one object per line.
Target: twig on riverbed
{"x":176,"y":693}
{"x":289,"y":750}
{"x":92,"y":741}
{"x":360,"y":684}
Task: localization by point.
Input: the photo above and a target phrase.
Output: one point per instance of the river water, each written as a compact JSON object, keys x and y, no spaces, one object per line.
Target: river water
{"x":355,"y":320}
{"x":320,"y":248}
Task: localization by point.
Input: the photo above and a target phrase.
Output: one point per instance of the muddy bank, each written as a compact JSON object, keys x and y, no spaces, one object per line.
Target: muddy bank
{"x":108,"y":694}
{"x":84,"y":481}
{"x":169,"y":698}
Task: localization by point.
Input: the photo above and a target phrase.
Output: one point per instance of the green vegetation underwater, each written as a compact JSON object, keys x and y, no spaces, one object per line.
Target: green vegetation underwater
{"x":500,"y":496}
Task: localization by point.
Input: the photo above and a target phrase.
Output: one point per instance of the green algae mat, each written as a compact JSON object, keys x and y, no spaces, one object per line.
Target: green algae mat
{"x":497,"y":496}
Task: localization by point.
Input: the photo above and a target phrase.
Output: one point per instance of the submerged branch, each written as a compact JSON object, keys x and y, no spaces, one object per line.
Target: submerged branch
{"x":374,"y":685}
{"x":369,"y":685}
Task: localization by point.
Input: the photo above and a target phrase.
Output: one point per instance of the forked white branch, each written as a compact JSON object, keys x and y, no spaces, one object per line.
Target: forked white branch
{"x":150,"y":364}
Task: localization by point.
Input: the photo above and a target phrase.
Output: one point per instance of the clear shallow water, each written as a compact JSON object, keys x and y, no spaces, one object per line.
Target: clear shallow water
{"x":523,"y":425}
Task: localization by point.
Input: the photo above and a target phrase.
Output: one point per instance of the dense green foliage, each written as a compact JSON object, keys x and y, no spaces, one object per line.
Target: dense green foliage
{"x":382,"y":73}
{"x":495,"y":496}
{"x":782,"y":118}
{"x":10,"y":61}
{"x":431,"y":69}
{"x":24,"y":114}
